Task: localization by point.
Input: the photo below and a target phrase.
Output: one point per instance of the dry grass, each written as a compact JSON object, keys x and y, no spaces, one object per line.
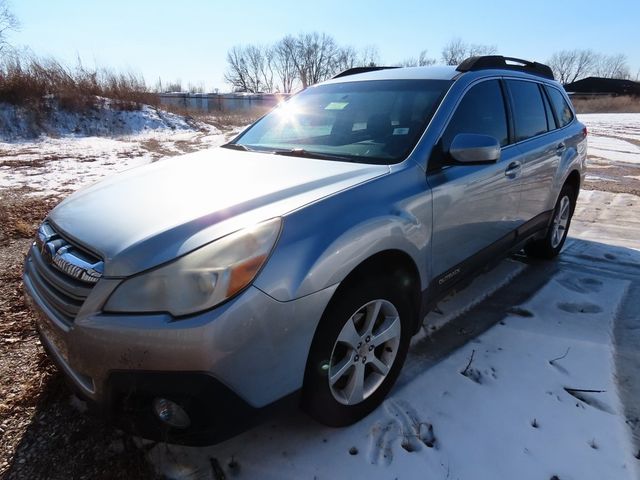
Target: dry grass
{"x":39,"y":84}
{"x":222,"y":120}
{"x":42,"y":433}
{"x":608,"y":104}
{"x":20,"y":220}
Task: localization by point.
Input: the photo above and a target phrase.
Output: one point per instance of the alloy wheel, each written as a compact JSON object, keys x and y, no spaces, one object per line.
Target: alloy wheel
{"x":560,"y":221}
{"x":364,"y":352}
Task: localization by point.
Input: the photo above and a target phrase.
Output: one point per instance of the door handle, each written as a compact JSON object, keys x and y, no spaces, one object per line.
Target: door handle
{"x":561,"y":147}
{"x":513,"y":169}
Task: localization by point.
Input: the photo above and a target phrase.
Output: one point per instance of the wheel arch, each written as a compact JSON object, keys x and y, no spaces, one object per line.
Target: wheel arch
{"x":395,"y":263}
{"x":573,"y":180}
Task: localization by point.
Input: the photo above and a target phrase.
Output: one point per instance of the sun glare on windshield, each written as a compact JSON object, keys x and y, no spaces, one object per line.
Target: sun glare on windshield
{"x":368,"y":122}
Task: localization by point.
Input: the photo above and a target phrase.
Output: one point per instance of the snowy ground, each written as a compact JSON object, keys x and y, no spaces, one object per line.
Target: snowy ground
{"x":79,"y":154}
{"x":518,"y":383}
{"x":530,"y":372}
{"x":614,"y":151}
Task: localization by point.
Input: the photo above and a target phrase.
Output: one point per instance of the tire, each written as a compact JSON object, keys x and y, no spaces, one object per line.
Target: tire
{"x":342,"y":347}
{"x":549,"y":246}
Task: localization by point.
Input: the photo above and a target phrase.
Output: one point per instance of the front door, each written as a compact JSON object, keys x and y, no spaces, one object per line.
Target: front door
{"x":475,"y":207}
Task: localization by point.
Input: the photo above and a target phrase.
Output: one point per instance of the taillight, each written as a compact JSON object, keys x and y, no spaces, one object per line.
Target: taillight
{"x":584,"y":132}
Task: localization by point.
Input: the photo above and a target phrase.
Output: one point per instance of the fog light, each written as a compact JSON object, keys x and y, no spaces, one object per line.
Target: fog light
{"x":171,"y":413}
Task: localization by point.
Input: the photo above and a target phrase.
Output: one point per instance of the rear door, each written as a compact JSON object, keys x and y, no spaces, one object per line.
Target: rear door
{"x":540,"y":144}
{"x":475,"y":207}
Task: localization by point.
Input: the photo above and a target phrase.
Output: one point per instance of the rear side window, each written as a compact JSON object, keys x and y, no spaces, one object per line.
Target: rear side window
{"x":528,"y":110}
{"x":480,"y":111}
{"x":551,"y":121}
{"x":561,"y":107}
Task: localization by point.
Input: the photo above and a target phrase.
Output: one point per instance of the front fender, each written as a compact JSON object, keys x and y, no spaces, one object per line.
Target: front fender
{"x":323,"y":242}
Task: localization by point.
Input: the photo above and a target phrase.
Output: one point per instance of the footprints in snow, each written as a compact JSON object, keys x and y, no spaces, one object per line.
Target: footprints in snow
{"x":581,"y":285}
{"x":405,"y":424}
{"x":584,"y":307}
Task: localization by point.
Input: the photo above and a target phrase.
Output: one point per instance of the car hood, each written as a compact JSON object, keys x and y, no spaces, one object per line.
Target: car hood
{"x":146,"y":216}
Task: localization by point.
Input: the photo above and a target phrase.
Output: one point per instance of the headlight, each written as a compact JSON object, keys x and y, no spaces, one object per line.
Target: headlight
{"x":201,"y":279}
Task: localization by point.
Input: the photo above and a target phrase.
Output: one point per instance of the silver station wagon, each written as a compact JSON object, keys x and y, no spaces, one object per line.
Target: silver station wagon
{"x":187,"y":298}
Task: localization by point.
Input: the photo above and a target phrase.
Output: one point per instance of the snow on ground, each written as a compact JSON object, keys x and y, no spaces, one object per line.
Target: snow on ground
{"x":614,"y":149}
{"x":620,"y":125}
{"x":106,"y":119}
{"x":56,"y":165}
{"x":613,"y":136}
{"x":520,"y":385}
{"x":612,"y":219}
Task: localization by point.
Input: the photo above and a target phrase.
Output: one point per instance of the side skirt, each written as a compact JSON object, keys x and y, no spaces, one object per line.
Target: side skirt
{"x":459,"y":276}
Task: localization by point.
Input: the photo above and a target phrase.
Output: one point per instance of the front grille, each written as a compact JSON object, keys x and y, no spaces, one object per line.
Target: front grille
{"x":56,"y":279}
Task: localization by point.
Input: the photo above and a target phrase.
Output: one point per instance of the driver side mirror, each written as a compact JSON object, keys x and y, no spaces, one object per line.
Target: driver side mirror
{"x":474,"y":149}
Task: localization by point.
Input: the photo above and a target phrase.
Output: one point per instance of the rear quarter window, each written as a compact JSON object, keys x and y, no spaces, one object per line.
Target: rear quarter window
{"x":560,"y":106}
{"x":528,"y":109}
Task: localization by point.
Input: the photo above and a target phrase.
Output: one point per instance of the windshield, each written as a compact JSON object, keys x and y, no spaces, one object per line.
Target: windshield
{"x":368,"y":122}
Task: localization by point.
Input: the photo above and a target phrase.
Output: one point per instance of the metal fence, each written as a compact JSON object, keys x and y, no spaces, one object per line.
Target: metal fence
{"x":216,"y":102}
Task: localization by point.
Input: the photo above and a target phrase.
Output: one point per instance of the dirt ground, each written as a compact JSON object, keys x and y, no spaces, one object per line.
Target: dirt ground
{"x":43,"y":433}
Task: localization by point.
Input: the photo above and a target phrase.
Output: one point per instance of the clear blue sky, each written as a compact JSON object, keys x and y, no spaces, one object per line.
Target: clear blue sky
{"x":188,"y":39}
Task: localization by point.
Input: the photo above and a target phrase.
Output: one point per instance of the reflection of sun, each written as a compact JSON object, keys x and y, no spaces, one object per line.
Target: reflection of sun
{"x":288,"y":114}
{"x":288,"y":111}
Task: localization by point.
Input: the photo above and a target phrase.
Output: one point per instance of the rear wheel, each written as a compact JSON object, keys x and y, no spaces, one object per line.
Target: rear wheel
{"x":549,"y":246}
{"x":357,"y":352}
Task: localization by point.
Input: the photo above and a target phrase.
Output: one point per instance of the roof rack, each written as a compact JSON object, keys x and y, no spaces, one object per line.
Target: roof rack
{"x":356,"y":70}
{"x":472,"y":64}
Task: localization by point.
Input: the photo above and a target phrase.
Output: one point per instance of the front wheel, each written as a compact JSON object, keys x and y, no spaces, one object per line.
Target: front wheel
{"x":357,"y":352}
{"x":549,"y":246}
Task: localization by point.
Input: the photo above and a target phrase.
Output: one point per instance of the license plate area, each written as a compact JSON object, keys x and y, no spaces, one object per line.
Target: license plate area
{"x":52,"y":333}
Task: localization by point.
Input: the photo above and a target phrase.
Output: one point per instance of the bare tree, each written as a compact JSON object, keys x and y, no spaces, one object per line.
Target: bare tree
{"x":423,"y":60}
{"x":250,"y":68}
{"x":456,"y":50}
{"x":316,"y":55}
{"x":571,"y":65}
{"x":612,"y":66}
{"x":369,"y":56}
{"x":284,"y":63}
{"x":345,"y":58}
{"x":259,"y":68}
{"x":8,"y":22}
{"x":237,"y":74}
{"x":348,"y":57}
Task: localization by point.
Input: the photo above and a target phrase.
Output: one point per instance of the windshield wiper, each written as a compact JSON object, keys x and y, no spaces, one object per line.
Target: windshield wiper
{"x":301,"y":152}
{"x":237,"y":146}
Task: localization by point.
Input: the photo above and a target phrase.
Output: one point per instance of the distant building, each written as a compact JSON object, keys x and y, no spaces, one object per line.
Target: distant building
{"x":596,"y":86}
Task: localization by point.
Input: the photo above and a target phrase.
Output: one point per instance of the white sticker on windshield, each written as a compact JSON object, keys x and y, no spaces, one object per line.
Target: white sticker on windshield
{"x":336,"y":105}
{"x":401,"y":131}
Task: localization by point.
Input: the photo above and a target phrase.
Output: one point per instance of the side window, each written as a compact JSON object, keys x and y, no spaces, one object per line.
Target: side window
{"x":481,"y":111}
{"x":528,"y":110}
{"x":551,"y":121}
{"x":561,"y":107}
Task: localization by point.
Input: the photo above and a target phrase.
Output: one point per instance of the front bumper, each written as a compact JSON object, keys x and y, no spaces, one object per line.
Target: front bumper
{"x":241,"y":356}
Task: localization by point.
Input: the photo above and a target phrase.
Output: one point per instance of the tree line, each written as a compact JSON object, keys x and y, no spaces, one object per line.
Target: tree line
{"x":571,"y":65}
{"x":295,"y":62}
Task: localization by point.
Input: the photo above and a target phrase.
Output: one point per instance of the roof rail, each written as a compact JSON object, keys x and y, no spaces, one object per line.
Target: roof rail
{"x":356,"y":70}
{"x":472,"y":64}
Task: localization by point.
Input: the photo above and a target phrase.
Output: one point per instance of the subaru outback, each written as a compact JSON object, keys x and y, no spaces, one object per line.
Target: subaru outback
{"x":188,"y":297}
